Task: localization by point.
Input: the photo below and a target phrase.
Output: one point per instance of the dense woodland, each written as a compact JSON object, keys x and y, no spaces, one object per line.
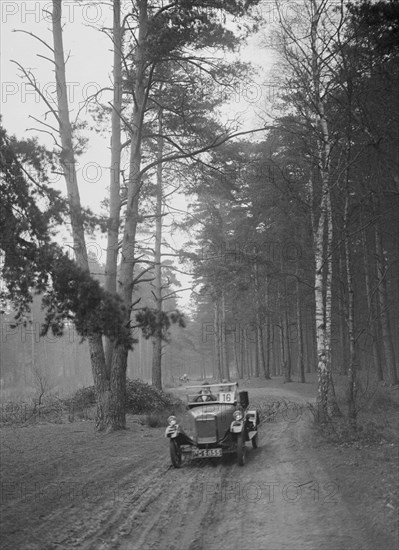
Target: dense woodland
{"x":292,"y":229}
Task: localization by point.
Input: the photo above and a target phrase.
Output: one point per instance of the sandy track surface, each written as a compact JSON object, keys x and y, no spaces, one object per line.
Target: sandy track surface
{"x":120,"y":492}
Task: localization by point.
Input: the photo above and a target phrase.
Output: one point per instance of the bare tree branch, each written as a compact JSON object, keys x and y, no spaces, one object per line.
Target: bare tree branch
{"x":37,"y":38}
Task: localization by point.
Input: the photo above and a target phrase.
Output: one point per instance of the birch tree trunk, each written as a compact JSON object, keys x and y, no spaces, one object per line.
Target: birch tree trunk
{"x":323,"y":366}
{"x":326,"y":402}
{"x":310,"y":59}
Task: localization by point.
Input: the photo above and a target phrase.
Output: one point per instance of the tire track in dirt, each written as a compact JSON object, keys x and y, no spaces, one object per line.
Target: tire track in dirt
{"x":112,"y":524}
{"x":282,"y":499}
{"x":170,"y":519}
{"x":72,"y":523}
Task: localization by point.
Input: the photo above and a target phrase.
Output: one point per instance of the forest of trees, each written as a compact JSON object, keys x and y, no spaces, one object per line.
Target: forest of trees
{"x":301,"y":237}
{"x":294,"y":223}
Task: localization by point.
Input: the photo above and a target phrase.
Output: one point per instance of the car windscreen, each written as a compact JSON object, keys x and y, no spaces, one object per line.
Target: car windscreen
{"x":219,"y":393}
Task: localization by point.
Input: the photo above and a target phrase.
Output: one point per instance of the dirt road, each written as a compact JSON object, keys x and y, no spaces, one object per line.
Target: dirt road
{"x":80,"y":490}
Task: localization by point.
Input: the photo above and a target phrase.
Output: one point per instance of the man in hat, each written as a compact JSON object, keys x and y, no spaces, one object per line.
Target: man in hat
{"x":205,"y":394}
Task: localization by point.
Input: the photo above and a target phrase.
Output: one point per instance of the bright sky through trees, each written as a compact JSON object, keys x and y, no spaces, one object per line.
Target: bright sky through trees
{"x":89,"y":69}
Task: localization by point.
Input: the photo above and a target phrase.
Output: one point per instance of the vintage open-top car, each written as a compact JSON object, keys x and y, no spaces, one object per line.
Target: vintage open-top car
{"x":219,"y":422}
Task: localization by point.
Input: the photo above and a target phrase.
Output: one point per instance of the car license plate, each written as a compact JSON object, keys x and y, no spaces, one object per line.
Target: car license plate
{"x":206,"y":453}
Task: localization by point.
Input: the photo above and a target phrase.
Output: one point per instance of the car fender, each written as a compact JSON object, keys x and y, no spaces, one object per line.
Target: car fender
{"x":252,"y":419}
{"x":176,"y":432}
{"x":237,"y":426}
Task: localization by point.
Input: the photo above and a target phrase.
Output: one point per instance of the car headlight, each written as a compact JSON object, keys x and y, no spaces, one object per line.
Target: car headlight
{"x":172,"y":421}
{"x":237,"y":415}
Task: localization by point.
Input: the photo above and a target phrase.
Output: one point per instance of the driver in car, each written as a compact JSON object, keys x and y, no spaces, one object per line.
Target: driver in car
{"x":205,"y":395}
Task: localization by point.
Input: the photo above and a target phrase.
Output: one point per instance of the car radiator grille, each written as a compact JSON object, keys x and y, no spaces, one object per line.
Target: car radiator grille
{"x":206,"y":430}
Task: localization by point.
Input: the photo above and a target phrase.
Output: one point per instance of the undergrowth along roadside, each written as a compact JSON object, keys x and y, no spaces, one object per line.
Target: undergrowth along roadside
{"x":377,"y":419}
{"x":141,"y":399}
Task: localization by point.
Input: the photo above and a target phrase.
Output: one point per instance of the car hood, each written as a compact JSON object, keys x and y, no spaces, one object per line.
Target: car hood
{"x":215,"y":409}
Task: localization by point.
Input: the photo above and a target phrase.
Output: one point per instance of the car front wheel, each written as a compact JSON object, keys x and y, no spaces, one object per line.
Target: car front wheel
{"x":255,"y":441}
{"x":175,"y":454}
{"x":241,"y":449}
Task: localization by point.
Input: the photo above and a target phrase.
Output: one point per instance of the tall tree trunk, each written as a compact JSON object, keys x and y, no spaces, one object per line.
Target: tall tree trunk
{"x":268,"y":352}
{"x":323,"y":373}
{"x":384,"y":310}
{"x":157,"y":339}
{"x":237,"y":341}
{"x":111,"y":264}
{"x":313,"y":340}
{"x":67,"y":159}
{"x":300,"y":360}
{"x":261,"y":351}
{"x":259,"y":327}
{"x":126,"y":281}
{"x":352,"y":413}
{"x":343,"y":315}
{"x":286,"y":344}
{"x":275,"y":349}
{"x":377,"y":362}
{"x":268,"y":355}
{"x":252,"y":355}
{"x":256,"y":354}
{"x":216,"y":323}
{"x":326,"y":403}
{"x":283,"y":358}
{"x":306,"y":337}
{"x":223,"y":340}
{"x":242,"y":352}
{"x":333,"y":409}
{"x":247,"y":364}
{"x":326,"y":400}
{"x":237,"y":359}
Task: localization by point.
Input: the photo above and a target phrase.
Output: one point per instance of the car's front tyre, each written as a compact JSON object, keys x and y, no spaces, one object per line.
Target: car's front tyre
{"x":254,"y":441}
{"x":175,"y":453}
{"x":241,"y":449}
